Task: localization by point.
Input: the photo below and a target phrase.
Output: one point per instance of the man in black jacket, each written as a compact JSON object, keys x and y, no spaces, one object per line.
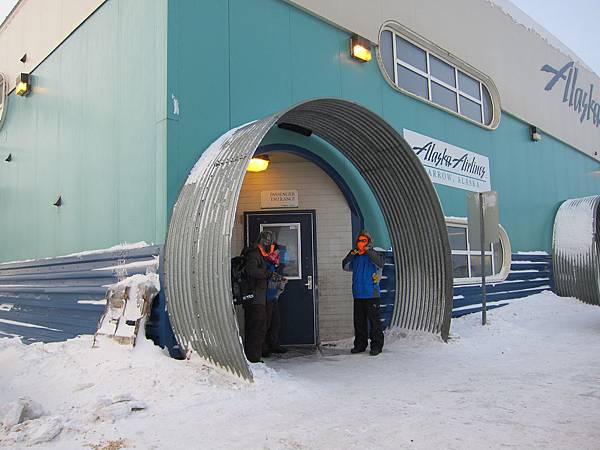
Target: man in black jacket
{"x":255,"y":316}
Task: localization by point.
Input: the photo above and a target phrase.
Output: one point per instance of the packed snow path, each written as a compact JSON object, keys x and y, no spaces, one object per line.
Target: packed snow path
{"x":530,"y":379}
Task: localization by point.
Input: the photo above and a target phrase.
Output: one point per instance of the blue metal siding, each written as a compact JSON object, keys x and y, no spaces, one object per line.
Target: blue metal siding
{"x":529,"y":274}
{"x":44,"y":294}
{"x":41,"y":299}
{"x":388,"y":290}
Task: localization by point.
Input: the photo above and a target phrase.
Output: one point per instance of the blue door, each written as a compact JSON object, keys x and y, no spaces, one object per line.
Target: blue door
{"x":295,"y":234}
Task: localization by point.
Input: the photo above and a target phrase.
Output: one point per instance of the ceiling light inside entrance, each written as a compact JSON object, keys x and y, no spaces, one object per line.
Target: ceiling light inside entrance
{"x":258,"y":163}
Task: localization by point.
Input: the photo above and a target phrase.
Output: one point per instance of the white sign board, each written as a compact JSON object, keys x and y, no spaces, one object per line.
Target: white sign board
{"x":279,"y":199}
{"x":450,"y":165}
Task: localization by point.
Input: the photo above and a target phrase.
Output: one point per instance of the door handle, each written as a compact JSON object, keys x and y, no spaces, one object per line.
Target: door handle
{"x":309,"y":283}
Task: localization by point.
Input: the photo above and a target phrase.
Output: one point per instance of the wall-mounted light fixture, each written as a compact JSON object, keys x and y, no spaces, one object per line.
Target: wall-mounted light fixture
{"x":360,"y":49}
{"x":58,"y":201}
{"x":24,"y":58}
{"x":535,"y":134}
{"x":23,"y":87}
{"x":259,"y":163}
{"x":9,"y":158}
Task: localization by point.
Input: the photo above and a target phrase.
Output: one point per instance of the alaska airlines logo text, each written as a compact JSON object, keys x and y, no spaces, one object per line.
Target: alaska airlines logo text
{"x":437,"y":158}
{"x":580,"y":100}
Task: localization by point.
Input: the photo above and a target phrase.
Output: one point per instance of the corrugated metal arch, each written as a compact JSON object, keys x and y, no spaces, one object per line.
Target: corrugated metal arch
{"x":576,"y":249}
{"x":197,"y":250}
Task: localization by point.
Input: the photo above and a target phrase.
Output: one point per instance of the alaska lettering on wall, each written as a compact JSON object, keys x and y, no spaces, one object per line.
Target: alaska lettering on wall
{"x":579,"y":98}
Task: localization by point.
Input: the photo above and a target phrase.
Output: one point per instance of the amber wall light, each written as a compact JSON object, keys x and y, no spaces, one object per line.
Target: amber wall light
{"x":259,"y":163}
{"x":360,"y":49}
{"x":23,"y":85}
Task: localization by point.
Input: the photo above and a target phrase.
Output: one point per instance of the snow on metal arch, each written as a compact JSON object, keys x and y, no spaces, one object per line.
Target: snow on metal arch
{"x":576,"y":249}
{"x":198,"y":246}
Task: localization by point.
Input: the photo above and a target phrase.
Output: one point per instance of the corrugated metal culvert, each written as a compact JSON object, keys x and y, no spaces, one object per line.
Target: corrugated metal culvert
{"x":576,"y":249}
{"x":197,"y":251}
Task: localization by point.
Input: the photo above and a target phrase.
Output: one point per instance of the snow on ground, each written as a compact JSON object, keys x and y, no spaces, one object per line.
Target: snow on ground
{"x":530,"y":379}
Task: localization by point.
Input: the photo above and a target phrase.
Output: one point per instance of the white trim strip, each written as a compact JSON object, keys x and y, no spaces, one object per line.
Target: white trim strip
{"x":28,"y":325}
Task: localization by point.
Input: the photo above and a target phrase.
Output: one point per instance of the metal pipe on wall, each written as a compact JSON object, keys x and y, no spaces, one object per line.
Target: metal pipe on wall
{"x":576,"y":249}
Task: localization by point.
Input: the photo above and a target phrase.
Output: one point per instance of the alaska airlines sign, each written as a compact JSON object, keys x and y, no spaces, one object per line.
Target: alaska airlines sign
{"x":580,"y":99}
{"x":450,"y":165}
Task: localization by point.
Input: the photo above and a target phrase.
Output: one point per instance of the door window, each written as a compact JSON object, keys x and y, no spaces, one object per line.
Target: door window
{"x":287,"y":236}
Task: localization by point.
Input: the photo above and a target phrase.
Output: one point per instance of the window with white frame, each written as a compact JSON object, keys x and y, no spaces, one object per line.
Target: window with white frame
{"x":466,"y":263}
{"x":429,"y":76}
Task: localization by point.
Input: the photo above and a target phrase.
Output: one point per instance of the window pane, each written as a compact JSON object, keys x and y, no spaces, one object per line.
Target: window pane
{"x":412,"y":82}
{"x":498,"y":257}
{"x":460,"y":266}
{"x":487,"y":106}
{"x":442,"y":71}
{"x":411,"y":54}
{"x":443,"y":96}
{"x":470,"y":109}
{"x":387,"y":53}
{"x":476,"y":265}
{"x":468,"y":85}
{"x":458,"y":238}
{"x":287,"y":238}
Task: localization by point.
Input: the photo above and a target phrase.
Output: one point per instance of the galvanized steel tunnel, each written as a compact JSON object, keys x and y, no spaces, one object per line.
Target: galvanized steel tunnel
{"x":197,"y":249}
{"x":576,"y":249}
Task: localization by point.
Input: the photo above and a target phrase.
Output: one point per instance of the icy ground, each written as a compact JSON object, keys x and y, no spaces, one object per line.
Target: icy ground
{"x":529,"y":380}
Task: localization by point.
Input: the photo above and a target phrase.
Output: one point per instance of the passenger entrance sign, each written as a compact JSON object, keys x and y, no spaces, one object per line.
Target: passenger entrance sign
{"x":450,"y":165}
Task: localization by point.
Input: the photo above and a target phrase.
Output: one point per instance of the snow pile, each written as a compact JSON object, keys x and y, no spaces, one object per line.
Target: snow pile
{"x":518,"y":16}
{"x":574,"y":227}
{"x":129,"y":304}
{"x":88,"y":389}
{"x":115,"y":248}
{"x":151,"y":265}
{"x":24,"y":420}
{"x":116,"y":408}
{"x":527,"y":380}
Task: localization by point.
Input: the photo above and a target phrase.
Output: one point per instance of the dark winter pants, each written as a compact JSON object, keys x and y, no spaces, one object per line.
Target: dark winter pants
{"x":255,"y":327}
{"x":273,"y":326}
{"x":367,"y":309}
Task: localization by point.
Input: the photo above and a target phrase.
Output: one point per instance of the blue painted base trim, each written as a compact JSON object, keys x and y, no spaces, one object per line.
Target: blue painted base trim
{"x":529,"y":275}
{"x":56,"y":299}
{"x":53,"y":300}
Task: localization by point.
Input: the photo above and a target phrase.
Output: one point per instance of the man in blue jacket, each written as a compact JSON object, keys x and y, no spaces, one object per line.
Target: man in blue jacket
{"x":366,"y":266}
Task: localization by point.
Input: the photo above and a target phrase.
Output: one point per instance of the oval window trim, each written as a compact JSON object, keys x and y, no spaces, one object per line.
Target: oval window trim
{"x":499,"y":277}
{"x":447,"y":57}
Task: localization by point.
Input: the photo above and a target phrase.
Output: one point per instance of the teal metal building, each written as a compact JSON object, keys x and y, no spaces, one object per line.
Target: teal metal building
{"x":128,"y":94}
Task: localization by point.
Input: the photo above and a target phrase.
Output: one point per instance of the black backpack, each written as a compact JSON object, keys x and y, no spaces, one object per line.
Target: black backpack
{"x":241,"y":285}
